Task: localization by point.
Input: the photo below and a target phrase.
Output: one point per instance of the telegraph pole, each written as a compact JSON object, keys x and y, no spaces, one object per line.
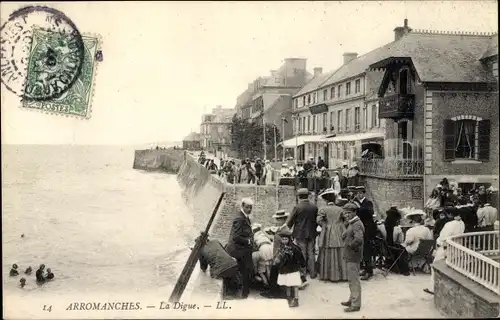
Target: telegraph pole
{"x":275,"y":143}
{"x":264,"y":142}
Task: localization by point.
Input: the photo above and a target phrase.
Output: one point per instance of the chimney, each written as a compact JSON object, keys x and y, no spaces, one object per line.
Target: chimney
{"x":318,"y":71}
{"x":349,"y":56}
{"x":400,"y":32}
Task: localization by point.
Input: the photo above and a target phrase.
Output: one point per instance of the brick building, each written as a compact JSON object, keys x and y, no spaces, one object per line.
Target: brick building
{"x":215,"y":129}
{"x":439,"y":88}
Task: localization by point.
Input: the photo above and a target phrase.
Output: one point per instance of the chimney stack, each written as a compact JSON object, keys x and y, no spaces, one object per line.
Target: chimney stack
{"x":318,"y":71}
{"x":349,"y":56}
{"x":400,"y":32}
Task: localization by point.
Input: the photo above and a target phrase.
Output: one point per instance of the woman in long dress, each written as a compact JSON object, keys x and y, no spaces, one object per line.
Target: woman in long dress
{"x":332,"y":265}
{"x":268,"y":175}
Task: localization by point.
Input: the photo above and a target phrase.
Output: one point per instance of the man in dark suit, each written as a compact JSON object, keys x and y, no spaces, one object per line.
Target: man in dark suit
{"x":240,"y":244}
{"x":365,"y":214}
{"x":303,"y":221}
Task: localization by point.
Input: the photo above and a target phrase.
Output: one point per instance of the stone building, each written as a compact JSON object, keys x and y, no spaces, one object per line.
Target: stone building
{"x":215,"y":129}
{"x":192,"y":141}
{"x":439,"y":88}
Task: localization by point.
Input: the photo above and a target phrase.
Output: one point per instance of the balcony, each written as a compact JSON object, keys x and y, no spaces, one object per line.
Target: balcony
{"x":400,"y":159}
{"x":397,"y":106}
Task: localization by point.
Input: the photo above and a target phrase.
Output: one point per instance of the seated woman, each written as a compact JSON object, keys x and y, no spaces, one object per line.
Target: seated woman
{"x":262,"y":258}
{"x":392,"y":232}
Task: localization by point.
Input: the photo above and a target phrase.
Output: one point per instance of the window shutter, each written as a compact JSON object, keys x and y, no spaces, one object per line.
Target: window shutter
{"x":484,"y":139}
{"x":449,"y":139}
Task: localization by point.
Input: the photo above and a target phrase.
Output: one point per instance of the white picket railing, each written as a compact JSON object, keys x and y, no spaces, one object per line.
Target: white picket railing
{"x":472,"y":255}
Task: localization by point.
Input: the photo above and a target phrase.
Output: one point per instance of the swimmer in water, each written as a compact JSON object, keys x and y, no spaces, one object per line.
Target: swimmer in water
{"x":13,"y":271}
{"x":22,"y":282}
{"x":39,"y":274}
{"x":28,"y":270}
{"x":50,"y":275}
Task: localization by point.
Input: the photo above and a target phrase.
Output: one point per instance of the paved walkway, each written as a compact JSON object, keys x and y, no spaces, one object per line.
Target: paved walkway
{"x":396,"y":296}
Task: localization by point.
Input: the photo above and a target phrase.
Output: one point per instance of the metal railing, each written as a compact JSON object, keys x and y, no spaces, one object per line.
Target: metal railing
{"x":391,"y":167}
{"x":472,"y":255}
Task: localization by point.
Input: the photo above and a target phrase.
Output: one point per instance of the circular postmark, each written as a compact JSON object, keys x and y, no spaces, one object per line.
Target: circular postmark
{"x":42,"y":53}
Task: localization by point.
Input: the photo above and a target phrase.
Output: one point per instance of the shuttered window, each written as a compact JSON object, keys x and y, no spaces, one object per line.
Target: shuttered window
{"x":466,"y":139}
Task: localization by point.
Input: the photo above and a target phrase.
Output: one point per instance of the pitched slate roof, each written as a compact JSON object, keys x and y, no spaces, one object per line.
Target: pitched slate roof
{"x":314,"y":83}
{"x":443,"y":57}
{"x":493,"y":48}
{"x":193,"y":136}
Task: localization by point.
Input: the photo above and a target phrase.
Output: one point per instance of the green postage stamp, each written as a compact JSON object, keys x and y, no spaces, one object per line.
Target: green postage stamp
{"x":51,"y":50}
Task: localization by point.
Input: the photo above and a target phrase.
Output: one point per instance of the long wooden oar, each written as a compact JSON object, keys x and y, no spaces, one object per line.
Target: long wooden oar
{"x":186,"y":273}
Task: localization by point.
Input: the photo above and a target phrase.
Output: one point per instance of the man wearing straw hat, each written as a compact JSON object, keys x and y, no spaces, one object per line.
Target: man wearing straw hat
{"x":303,"y":220}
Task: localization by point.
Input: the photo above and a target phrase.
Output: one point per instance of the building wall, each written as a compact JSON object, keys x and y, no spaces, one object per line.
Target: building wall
{"x":191,"y":145}
{"x":447,"y":105}
{"x":281,"y":108}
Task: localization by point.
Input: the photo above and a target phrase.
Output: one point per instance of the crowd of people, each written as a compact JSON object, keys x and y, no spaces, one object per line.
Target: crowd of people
{"x":342,"y":241}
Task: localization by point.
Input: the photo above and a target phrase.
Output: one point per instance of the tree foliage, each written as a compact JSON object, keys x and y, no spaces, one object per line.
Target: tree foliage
{"x":247,"y":138}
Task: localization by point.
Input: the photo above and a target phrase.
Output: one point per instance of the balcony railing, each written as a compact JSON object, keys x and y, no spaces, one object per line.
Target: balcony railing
{"x":473,"y":255}
{"x":394,"y":167}
{"x":397,"y":106}
{"x":404,"y":149}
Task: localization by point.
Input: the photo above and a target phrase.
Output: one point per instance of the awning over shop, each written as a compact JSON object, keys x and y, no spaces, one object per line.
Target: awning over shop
{"x":355,"y":137}
{"x":300,"y":140}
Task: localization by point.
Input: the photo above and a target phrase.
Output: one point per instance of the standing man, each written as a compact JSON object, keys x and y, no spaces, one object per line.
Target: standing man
{"x":365,"y":214}
{"x":303,"y":221}
{"x":240,"y":244}
{"x":353,"y":251}
{"x":258,"y":171}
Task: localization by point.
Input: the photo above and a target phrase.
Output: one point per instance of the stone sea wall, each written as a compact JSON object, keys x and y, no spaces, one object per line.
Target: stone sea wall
{"x":202,"y":190}
{"x":169,"y":160}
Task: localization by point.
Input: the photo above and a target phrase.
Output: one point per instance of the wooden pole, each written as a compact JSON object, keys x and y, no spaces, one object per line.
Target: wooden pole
{"x":186,"y":273}
{"x":264,"y":134}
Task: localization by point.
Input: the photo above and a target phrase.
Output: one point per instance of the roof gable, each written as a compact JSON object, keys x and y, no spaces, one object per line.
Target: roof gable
{"x":492,"y":50}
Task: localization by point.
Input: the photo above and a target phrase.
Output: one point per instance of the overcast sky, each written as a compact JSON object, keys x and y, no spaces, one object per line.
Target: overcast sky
{"x":166,"y":63}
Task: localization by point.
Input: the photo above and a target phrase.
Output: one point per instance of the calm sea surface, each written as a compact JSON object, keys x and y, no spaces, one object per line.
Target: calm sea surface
{"x":97,"y":223}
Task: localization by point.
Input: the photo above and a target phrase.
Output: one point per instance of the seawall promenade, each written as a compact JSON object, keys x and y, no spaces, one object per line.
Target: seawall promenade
{"x":168,"y":160}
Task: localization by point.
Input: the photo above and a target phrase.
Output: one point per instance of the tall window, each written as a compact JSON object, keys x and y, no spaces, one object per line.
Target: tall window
{"x":347,"y":88}
{"x":308,"y":99}
{"x":299,"y":125}
{"x":339,"y":120}
{"x":304,"y":124}
{"x":347,"y":119}
{"x":314,"y":97}
{"x":325,"y":122}
{"x":339,"y":90}
{"x":314,"y":123}
{"x":346,"y":151}
{"x":325,"y":95}
{"x":331,"y":121}
{"x":332,"y":92}
{"x":308,"y":123}
{"x":374,"y":116}
{"x":296,"y":103}
{"x":403,"y":81}
{"x":467,"y":138}
{"x":357,"y":120}
{"x":339,"y":151}
{"x":365,"y":118}
{"x":303,"y":100}
{"x":357,"y":86}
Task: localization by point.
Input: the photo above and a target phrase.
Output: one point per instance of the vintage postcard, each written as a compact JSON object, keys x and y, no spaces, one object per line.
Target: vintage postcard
{"x":258,"y":160}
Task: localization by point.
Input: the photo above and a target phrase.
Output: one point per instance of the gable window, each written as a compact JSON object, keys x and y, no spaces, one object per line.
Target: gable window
{"x":332,"y":92}
{"x":339,"y":120}
{"x":296,"y":103}
{"x":308,"y":99}
{"x":325,"y":95}
{"x":357,"y":120}
{"x":466,"y":138}
{"x":403,"y":81}
{"x":338,"y":90}
{"x":357,"y":86}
